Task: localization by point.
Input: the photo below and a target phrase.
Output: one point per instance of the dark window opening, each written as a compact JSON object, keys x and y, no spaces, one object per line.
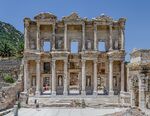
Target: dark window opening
{"x":46,"y":67}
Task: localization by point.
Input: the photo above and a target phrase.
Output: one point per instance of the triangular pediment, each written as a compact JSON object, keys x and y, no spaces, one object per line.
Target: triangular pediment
{"x":73,"y":16}
{"x":104,"y":18}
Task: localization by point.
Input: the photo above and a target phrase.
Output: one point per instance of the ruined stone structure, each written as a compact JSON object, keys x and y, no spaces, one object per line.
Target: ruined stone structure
{"x":64,"y":57}
{"x":139,"y":78}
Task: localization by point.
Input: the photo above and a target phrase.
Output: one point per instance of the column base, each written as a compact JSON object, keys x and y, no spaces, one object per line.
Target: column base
{"x":111,"y":93}
{"x":122,"y":92}
{"x":65,"y":93}
{"x":53,"y":93}
{"x":110,"y":49}
{"x":95,"y":93}
{"x":37,"y":93}
{"x":83,"y":93}
{"x":24,"y":93}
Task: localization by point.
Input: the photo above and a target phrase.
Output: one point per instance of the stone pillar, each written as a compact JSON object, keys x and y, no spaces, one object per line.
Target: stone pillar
{"x":110,"y":37}
{"x":83,"y":77}
{"x":65,"y":77}
{"x":53,"y":36}
{"x":122,"y":77}
{"x":111,"y":92}
{"x":53,"y":77}
{"x":83,"y":36}
{"x":127,"y":78}
{"x":38,"y":76}
{"x":26,"y":75}
{"x":65,"y":38}
{"x":26,"y":33}
{"x":95,"y":77}
{"x":38,"y":37}
{"x":122,"y":38}
{"x":142,"y":103}
{"x":95,"y":37}
{"x":132,"y":98}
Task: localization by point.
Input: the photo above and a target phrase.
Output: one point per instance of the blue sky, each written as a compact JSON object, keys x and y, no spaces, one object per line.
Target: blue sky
{"x":136,"y":11}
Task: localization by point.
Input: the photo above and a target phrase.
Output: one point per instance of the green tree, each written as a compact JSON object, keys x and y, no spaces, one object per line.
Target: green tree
{"x":6,"y":49}
{"x":19,"y":49}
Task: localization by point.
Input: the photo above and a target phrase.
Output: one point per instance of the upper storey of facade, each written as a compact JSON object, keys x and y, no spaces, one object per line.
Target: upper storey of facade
{"x":73,"y":34}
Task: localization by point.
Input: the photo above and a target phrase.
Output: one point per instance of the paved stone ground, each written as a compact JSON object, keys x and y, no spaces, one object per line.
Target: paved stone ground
{"x":66,"y":112}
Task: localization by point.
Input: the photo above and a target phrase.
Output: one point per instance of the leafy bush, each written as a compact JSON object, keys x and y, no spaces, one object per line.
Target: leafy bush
{"x":8,"y":79}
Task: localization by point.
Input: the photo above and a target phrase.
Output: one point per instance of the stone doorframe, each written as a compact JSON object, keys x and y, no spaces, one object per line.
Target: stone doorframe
{"x":79,"y":81}
{"x":140,"y":85}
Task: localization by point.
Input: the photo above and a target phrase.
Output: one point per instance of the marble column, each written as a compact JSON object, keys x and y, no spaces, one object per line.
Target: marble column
{"x":54,"y":37}
{"x":65,"y":77}
{"x":142,"y":103}
{"x":65,"y":38}
{"x":26,"y":76}
{"x":53,"y":77}
{"x":83,"y":77}
{"x":122,"y":38}
{"x":38,"y":37}
{"x":122,"y":77}
{"x":110,"y":37}
{"x":38,"y":76}
{"x":95,"y":77}
{"x":26,"y":34}
{"x":83,"y":36}
{"x":111,"y":92}
{"x":95,"y":37}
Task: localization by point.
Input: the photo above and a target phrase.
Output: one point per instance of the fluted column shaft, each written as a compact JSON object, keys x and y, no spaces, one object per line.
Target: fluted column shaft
{"x":65,"y":38}
{"x":95,"y":37}
{"x":26,"y":29}
{"x":122,"y":38}
{"x":95,"y":77}
{"x":110,"y":37}
{"x":53,"y":78}
{"x":65,"y":77}
{"x":38,"y":75}
{"x":26,"y":75}
{"x":83,"y":77}
{"x":83,"y":36}
{"x":38,"y":37}
{"x":122,"y":77}
{"x":111,"y":77}
{"x":53,"y":35}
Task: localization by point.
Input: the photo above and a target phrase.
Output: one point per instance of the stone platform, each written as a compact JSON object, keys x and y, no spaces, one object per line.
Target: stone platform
{"x":75,"y":101}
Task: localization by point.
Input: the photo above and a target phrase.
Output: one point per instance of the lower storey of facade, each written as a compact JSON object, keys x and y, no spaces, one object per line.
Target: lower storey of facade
{"x":74,"y":76}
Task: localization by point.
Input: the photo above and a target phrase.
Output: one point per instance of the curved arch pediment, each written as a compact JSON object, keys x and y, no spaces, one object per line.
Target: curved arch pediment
{"x":45,"y":16}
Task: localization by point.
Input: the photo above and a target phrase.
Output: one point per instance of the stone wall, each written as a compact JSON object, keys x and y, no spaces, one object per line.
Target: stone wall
{"x":10,"y":66}
{"x":8,"y":92}
{"x":8,"y":95}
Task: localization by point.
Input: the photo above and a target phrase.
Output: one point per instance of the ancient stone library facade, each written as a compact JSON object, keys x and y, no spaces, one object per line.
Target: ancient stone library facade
{"x":76,"y":56}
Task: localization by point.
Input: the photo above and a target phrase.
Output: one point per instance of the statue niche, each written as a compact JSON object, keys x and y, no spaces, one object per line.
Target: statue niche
{"x":60,"y":80}
{"x":88,"y":45}
{"x":59,"y":43}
